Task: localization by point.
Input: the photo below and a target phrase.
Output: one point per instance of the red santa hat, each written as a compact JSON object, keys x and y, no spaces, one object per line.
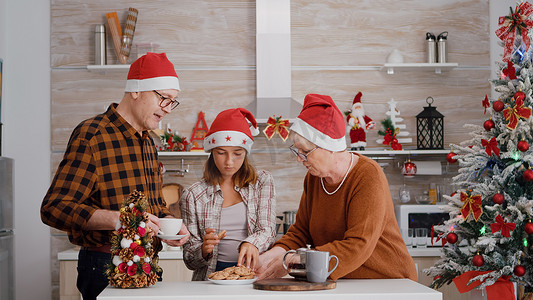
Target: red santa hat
{"x":357,"y":99}
{"x":321,"y":122}
{"x":230,"y":128}
{"x":152,"y":71}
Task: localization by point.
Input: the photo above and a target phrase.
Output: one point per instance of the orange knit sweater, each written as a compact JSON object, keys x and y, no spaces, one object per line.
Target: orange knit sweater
{"x":357,"y":224}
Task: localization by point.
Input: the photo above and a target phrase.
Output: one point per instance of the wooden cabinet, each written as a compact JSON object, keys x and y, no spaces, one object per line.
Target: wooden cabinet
{"x":449,"y":292}
{"x":171,"y":262}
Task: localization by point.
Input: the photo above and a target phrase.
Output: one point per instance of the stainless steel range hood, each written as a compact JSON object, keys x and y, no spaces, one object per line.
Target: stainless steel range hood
{"x":273,"y":61}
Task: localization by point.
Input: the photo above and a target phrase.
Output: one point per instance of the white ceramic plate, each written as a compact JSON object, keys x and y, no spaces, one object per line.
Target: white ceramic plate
{"x":171,"y":237}
{"x":233,"y":282}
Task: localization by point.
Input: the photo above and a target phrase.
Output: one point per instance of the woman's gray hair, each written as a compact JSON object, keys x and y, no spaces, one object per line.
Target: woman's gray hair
{"x":297,"y":138}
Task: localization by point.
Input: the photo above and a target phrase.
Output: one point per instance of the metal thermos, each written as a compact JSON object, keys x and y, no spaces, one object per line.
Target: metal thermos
{"x":441,"y":47}
{"x":431,"y":48}
{"x":100,"y":53}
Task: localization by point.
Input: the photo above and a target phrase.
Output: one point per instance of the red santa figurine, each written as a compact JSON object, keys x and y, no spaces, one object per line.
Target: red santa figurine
{"x":358,"y":123}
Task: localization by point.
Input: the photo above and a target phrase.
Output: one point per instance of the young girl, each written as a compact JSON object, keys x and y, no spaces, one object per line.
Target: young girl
{"x":230,"y":213}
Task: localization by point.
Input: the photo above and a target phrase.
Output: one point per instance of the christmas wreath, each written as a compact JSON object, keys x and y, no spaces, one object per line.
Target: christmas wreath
{"x":133,"y":264}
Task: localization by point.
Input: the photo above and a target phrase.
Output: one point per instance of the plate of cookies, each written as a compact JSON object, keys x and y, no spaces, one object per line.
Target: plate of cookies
{"x":233,"y":276}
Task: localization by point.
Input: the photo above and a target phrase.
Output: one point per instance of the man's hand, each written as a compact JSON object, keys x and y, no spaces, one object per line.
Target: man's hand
{"x":183,"y":240}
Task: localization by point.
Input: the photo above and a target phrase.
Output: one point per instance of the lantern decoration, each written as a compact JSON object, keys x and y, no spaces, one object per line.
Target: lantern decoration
{"x":409,"y":169}
{"x":430,"y":128}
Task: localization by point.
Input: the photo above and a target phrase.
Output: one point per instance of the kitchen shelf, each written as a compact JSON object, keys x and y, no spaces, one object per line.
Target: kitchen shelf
{"x":126,"y":67}
{"x":403,"y":152}
{"x":182,"y":154}
{"x":437,"y":67}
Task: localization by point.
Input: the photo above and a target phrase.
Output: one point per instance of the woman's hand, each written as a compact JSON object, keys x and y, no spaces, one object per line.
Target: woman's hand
{"x":248,"y":254}
{"x":210,"y":241}
{"x":271,"y":264}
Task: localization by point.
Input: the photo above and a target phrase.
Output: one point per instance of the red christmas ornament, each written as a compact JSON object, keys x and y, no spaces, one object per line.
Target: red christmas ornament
{"x":528,"y":175}
{"x":437,"y":277}
{"x":488,"y":125}
{"x":523,"y":146}
{"x":528,"y":228}
{"x":478,"y":260}
{"x":497,"y":106}
{"x":409,"y":169}
{"x":498,"y":198}
{"x":451,"y":238}
{"x":449,"y":157}
{"x":519,"y":271}
{"x":520,"y":95}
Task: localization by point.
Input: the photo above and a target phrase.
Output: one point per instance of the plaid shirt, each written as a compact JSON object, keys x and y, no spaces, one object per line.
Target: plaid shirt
{"x":201,"y":207}
{"x":106,"y":159}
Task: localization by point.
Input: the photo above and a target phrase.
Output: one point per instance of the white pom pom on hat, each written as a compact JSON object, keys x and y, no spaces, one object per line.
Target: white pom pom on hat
{"x":230,"y":128}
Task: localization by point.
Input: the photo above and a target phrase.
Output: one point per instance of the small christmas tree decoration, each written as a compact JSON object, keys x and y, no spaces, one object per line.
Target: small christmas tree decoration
{"x":528,"y":228}
{"x":528,"y":175}
{"x":498,"y":106}
{"x":199,"y":132}
{"x":488,"y":125}
{"x":498,"y":198}
{"x":478,"y":260}
{"x":450,"y":157}
{"x":519,"y":271}
{"x":133,"y":264}
{"x":523,"y":145}
{"x":451,"y":238}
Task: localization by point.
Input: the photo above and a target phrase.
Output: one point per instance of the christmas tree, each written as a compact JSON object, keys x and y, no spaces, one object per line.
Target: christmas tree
{"x":489,"y":236}
{"x":133,"y":264}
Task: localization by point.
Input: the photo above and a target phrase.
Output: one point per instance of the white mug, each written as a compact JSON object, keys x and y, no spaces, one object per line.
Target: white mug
{"x":169,"y":226}
{"x":317,"y":265}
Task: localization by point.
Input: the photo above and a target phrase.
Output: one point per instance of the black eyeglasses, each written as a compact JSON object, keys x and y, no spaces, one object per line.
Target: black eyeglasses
{"x":165,"y":101}
{"x":301,"y":155}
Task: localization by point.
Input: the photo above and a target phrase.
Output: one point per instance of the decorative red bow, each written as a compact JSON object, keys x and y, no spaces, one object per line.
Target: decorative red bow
{"x":491,"y":146}
{"x":513,"y":114}
{"x":486,"y":104}
{"x":472,"y":204}
{"x":509,"y":71}
{"x":438,"y":237}
{"x":279,"y":125}
{"x":515,"y":22}
{"x":391,"y":140}
{"x":500,"y":224}
{"x":501,"y":289}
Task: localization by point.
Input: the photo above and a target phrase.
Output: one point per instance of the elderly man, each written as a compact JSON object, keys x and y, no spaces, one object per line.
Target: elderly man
{"x":108,"y":157}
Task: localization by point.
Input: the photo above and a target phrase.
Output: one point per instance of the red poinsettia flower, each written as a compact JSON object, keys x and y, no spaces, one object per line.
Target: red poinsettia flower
{"x":147,"y":268}
{"x":132,"y":270}
{"x":122,"y":267}
{"x":134,"y":245}
{"x":141,"y":231}
{"x":139,"y":251}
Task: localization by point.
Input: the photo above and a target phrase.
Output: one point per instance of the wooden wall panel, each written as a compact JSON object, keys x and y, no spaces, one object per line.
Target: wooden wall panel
{"x":212,"y":44}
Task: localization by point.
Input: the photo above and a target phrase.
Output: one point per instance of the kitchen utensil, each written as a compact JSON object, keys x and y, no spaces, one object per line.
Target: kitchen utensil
{"x":317,"y":265}
{"x":405,"y":194}
{"x":100,"y":52}
{"x":431,"y":48}
{"x":441,"y":47}
{"x":296,"y":267}
{"x":289,"y":284}
{"x":288,"y":220}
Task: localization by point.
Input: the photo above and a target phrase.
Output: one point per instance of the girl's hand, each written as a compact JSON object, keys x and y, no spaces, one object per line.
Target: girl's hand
{"x":248,"y":254}
{"x":210,"y":241}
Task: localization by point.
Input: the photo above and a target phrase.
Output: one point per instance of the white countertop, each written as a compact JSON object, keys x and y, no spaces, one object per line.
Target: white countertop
{"x":353,"y":289}
{"x":72,"y":254}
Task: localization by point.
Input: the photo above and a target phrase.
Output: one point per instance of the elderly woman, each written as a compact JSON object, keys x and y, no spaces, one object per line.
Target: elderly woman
{"x":345,"y":208}
{"x":230,"y":213}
